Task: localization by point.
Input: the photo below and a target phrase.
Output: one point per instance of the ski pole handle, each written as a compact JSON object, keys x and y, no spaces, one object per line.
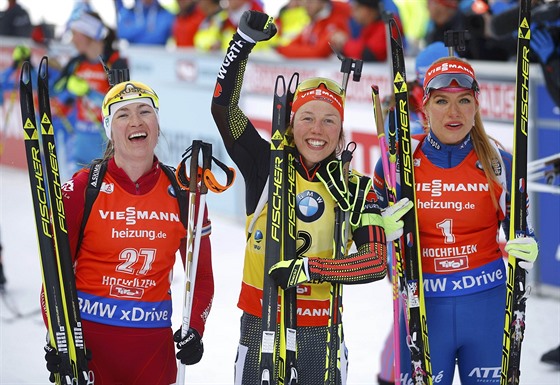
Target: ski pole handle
{"x":206,"y":166}
{"x":381,"y":133}
{"x":195,"y":150}
{"x":377,"y":112}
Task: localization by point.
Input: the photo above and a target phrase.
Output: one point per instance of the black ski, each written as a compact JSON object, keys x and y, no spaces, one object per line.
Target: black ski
{"x":288,"y":308}
{"x":270,"y":372}
{"x":417,"y":340}
{"x":64,"y":321}
{"x":514,"y":325}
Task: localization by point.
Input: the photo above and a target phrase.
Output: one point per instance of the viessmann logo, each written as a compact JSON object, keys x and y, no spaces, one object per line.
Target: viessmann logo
{"x":437,"y":187}
{"x":130,"y":215}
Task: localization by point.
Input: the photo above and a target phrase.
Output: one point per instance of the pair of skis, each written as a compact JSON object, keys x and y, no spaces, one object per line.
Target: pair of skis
{"x":278,"y":342}
{"x":59,"y":287}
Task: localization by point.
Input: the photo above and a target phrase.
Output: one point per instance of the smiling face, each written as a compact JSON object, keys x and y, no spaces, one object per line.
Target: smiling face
{"x":451,"y":114}
{"x":134,"y":132}
{"x":317,"y":130}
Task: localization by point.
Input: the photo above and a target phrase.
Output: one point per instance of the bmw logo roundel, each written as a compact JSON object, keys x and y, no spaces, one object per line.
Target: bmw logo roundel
{"x":309,"y":206}
{"x":258,"y":236}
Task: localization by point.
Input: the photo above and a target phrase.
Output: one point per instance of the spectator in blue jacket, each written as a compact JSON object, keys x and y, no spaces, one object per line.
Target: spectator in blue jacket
{"x":147,"y":23}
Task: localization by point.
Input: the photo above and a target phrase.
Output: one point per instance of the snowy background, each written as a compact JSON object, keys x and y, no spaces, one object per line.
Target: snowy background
{"x":367,"y":315}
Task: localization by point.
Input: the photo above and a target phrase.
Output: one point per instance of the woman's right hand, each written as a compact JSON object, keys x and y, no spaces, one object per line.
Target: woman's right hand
{"x":392,"y":222}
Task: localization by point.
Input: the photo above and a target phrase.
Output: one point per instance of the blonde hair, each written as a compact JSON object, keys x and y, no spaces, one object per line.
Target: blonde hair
{"x":486,"y":153}
{"x":109,"y":151}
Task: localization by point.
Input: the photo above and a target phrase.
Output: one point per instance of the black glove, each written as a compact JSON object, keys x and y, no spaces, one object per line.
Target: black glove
{"x":190,"y":347}
{"x":256,"y":26}
{"x":53,"y":361}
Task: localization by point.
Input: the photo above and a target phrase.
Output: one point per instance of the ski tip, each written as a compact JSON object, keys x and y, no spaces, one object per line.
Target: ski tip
{"x":280,"y":87}
{"x":25,"y":76}
{"x":43,"y":67}
{"x":294,"y":81}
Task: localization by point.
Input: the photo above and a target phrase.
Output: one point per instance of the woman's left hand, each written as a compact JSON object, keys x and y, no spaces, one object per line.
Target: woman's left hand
{"x":190,"y":346}
{"x":525,"y":248}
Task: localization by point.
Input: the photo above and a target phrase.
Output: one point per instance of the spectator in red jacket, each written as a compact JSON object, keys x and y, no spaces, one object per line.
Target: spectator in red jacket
{"x":186,"y":22}
{"x":371,"y":43}
{"x":327,"y":17}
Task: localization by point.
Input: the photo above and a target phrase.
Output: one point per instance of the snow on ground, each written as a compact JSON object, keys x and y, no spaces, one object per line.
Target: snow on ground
{"x":367,"y":316}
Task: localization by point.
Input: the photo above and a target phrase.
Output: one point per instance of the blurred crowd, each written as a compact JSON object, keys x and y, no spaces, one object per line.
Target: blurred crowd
{"x":313,"y":29}
{"x":316,"y":28}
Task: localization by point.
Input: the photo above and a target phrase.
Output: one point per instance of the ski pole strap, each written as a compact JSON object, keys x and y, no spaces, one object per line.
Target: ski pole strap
{"x":210,"y":180}
{"x":204,"y":173}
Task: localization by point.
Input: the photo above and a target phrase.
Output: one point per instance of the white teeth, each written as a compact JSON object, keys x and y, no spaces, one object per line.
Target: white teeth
{"x":316,"y":143}
{"x":138,"y":135}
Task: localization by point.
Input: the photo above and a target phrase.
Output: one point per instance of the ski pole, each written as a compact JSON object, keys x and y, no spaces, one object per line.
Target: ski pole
{"x":456,"y":41}
{"x":341,"y":233}
{"x":196,"y":213}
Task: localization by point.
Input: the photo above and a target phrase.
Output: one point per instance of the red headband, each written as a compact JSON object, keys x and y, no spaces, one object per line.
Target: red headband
{"x":450,"y":73}
{"x":448,"y":67}
{"x":320,"y":93}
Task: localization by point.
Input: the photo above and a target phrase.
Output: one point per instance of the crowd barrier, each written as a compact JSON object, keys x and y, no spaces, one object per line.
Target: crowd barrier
{"x":184,"y":80}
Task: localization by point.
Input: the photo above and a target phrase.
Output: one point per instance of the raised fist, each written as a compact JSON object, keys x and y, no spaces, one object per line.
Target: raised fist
{"x":256,"y":26}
